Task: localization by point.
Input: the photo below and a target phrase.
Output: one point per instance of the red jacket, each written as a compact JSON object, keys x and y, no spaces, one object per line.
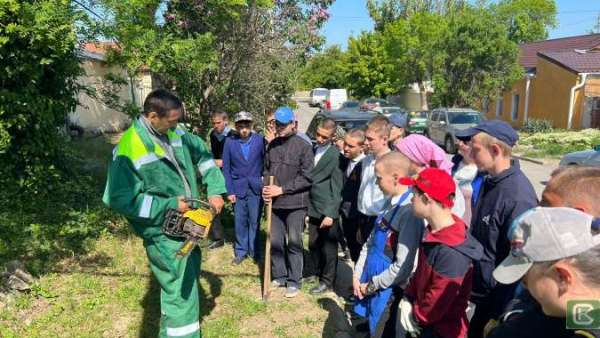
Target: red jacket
{"x":441,"y":286}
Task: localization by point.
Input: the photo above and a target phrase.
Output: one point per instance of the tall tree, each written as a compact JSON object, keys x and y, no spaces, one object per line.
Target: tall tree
{"x":414,"y":50}
{"x":232,"y":54}
{"x":527,"y":20}
{"x":481,"y":59}
{"x":324,"y":69}
{"x":388,"y":11}
{"x":366,"y":68}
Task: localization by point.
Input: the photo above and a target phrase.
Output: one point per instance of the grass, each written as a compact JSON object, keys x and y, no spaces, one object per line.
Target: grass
{"x":110,"y":292}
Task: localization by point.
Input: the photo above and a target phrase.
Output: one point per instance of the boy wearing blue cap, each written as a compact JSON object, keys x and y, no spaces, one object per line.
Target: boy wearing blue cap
{"x":505,"y":194}
{"x":398,"y":131}
{"x":289,"y":159}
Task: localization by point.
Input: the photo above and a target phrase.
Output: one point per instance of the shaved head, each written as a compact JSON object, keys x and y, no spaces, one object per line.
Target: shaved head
{"x":394,"y":163}
{"x":574,"y":187}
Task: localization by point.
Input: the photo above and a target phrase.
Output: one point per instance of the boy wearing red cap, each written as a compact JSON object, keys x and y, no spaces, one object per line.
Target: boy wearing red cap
{"x":437,"y":296}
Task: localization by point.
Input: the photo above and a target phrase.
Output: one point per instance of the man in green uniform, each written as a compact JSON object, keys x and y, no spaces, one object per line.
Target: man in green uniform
{"x":153,"y":169}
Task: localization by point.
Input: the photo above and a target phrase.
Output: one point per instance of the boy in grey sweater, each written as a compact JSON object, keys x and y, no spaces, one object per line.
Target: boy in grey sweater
{"x":387,"y":258}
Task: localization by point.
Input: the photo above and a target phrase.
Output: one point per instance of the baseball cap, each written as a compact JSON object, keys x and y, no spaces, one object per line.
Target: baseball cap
{"x":284,"y":115}
{"x":436,"y":183}
{"x":545,"y":234}
{"x":398,"y":120}
{"x":243,"y":116}
{"x":496,"y":128}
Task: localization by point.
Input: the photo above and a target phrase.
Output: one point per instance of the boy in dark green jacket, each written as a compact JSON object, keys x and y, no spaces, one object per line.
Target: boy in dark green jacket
{"x":323,"y":210}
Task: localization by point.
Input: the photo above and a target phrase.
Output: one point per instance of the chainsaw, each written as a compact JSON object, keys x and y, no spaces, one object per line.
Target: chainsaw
{"x":192,"y":225}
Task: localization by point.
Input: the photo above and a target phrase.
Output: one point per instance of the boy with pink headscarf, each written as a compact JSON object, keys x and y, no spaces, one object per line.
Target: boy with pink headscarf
{"x":423,"y":154}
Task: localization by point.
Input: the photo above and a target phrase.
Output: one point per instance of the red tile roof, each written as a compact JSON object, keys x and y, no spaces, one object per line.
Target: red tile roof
{"x":579,"y":61}
{"x":99,"y":47}
{"x":528,"y":51}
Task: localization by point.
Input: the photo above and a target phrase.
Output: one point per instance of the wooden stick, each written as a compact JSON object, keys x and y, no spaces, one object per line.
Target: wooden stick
{"x":267,"y":266}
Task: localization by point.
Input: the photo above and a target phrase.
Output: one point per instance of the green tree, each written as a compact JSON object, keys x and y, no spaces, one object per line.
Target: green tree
{"x":481,"y":59}
{"x":526,"y":20}
{"x":48,"y":205}
{"x":232,"y":54}
{"x":324,"y":69}
{"x":39,"y":63}
{"x":414,"y":50}
{"x":366,"y":71}
{"x":388,"y":11}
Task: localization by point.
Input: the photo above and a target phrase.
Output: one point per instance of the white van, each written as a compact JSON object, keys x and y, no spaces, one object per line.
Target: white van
{"x":318,"y":96}
{"x":335,"y":99}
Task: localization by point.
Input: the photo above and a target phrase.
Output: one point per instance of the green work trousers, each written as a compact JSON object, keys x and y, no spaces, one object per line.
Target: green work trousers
{"x":178,"y":279}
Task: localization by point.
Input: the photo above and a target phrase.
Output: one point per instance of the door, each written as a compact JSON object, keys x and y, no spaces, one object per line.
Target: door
{"x":435,"y":130}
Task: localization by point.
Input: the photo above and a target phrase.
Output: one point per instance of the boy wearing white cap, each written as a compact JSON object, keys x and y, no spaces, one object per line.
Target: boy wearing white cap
{"x":243,"y":156}
{"x":556,"y":254}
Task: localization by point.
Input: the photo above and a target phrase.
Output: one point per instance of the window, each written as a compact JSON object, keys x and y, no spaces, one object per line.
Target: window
{"x":464,"y":118}
{"x":515,"y":107}
{"x":499,"y":106}
{"x":434,"y":116}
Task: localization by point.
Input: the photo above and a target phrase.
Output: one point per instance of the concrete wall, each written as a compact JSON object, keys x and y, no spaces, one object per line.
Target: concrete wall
{"x":92,"y":114}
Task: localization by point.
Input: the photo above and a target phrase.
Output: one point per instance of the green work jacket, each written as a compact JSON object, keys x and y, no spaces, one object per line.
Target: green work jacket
{"x":142,"y":184}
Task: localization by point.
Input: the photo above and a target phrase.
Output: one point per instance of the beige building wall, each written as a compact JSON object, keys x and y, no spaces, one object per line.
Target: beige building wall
{"x":549,"y":95}
{"x":94,"y":115}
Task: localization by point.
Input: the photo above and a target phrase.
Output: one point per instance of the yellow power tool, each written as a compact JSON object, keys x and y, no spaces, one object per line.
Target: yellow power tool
{"x":191,"y":225}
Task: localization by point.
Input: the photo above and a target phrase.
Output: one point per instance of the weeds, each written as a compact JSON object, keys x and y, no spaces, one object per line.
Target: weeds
{"x":557,"y":143}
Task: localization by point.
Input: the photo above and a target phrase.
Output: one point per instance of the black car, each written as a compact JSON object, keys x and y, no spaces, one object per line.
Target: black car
{"x":346,"y":119}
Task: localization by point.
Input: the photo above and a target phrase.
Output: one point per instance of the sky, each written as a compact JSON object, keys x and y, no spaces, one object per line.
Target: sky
{"x":350,"y":17}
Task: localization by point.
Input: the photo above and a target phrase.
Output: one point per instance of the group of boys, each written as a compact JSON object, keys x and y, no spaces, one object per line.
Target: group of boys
{"x":419,"y":270}
{"x":386,"y":211}
{"x":409,"y":210}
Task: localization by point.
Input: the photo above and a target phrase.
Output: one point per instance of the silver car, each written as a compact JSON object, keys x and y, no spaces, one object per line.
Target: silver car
{"x":585,"y":157}
{"x":444,"y":122}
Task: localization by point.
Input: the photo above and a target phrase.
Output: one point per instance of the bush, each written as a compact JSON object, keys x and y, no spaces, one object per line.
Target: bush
{"x":533,"y":126}
{"x":49,"y":204}
{"x":558,"y":142}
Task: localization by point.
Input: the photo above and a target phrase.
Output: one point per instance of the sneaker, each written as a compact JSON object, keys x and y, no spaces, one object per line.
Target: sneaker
{"x":238,"y":260}
{"x":291,"y":292}
{"x":277,"y":284}
{"x":320,"y":289}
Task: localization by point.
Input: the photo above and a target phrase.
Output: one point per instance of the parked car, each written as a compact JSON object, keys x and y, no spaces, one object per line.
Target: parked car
{"x":585,"y":157}
{"x":444,"y":122}
{"x":350,"y":105}
{"x":346,"y":119}
{"x":387,"y":111}
{"x":373,"y":103}
{"x":318,"y":96}
{"x":417,"y":121}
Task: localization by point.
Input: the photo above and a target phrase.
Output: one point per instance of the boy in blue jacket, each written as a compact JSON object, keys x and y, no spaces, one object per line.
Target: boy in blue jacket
{"x":242,"y":167}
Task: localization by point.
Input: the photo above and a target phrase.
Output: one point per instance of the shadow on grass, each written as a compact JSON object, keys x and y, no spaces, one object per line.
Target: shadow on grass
{"x":151,"y":303}
{"x":336,"y":324}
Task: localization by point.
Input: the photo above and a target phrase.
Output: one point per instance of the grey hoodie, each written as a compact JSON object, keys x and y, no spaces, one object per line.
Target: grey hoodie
{"x":410,"y":231}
